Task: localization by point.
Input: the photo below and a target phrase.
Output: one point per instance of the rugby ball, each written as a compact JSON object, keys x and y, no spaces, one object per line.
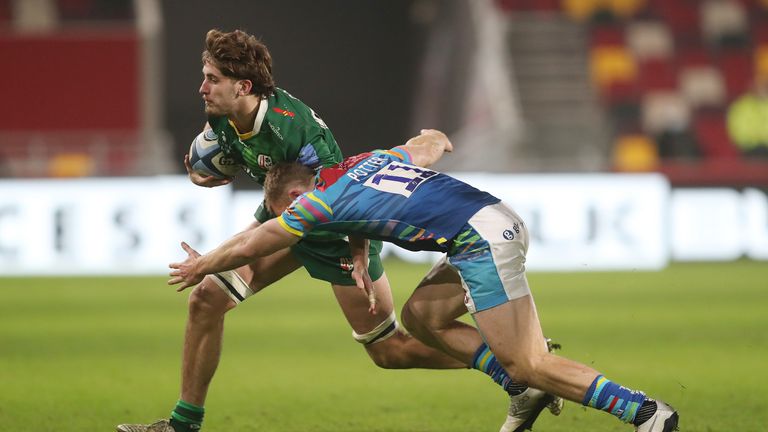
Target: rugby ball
{"x":206,"y":157}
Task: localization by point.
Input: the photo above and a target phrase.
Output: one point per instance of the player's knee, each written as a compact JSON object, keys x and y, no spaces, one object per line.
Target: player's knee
{"x":525,"y":369}
{"x":382,"y":344}
{"x":418,"y":321}
{"x":412,"y":319}
{"x":208,"y":300}
{"x":389,"y":354}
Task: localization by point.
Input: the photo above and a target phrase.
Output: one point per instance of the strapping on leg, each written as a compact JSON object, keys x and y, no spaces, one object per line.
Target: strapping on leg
{"x":233,"y":285}
{"x":386,"y":329}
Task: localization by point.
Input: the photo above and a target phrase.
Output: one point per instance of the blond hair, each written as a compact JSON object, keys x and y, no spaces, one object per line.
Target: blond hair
{"x":283,"y":176}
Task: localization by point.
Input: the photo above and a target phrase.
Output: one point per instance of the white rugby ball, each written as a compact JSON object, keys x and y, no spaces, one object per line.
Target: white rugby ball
{"x":206,"y":157}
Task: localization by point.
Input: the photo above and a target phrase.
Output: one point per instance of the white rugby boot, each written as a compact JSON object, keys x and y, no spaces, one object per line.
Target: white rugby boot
{"x":158,"y":426}
{"x":663,"y":420}
{"x":524,"y":409}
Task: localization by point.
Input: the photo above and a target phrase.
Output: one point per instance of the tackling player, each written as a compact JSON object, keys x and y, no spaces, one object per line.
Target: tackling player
{"x":261,"y":125}
{"x":392,"y":196}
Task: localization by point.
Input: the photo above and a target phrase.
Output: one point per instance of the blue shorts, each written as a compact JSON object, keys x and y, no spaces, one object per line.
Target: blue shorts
{"x":489,"y":255}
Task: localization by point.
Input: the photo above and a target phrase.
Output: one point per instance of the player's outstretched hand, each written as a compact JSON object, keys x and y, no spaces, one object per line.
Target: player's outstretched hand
{"x":441,"y":137}
{"x":184,"y":272}
{"x":202,"y":179}
{"x":364,"y":282}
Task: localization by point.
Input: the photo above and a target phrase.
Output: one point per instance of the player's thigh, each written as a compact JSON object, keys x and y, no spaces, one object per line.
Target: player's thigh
{"x":513,"y":332}
{"x":354,"y":304}
{"x":239,"y":284}
{"x":267,"y":270}
{"x":438,"y":299}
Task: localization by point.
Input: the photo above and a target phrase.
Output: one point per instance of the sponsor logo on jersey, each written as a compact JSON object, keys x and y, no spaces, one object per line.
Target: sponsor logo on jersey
{"x":264,"y":161}
{"x":509,"y":234}
{"x":283,"y":112}
{"x":276,"y":131}
{"x":346,"y":264}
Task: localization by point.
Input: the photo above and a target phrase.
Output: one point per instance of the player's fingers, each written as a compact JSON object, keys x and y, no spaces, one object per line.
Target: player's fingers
{"x":188,"y":249}
{"x":187,"y":165}
{"x":358,"y":280}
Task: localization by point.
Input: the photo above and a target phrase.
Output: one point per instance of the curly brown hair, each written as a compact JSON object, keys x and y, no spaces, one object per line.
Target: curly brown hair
{"x":240,"y":56}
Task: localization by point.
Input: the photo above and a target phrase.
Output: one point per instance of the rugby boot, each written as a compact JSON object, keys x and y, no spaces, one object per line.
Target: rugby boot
{"x":158,"y":426}
{"x":663,"y":420}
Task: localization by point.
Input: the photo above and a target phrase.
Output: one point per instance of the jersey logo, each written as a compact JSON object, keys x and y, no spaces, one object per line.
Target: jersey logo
{"x":283,"y":112}
{"x":264,"y":161}
{"x":346,"y":264}
{"x":509,"y":234}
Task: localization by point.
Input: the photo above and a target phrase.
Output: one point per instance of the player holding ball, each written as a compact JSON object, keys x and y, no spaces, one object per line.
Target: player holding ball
{"x":258,"y":125}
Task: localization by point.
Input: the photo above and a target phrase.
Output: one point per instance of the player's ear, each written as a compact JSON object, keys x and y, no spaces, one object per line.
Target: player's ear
{"x":294,"y":193}
{"x":244,"y":87}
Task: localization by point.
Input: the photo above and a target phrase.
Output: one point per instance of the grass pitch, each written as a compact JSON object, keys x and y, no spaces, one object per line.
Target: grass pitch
{"x":84,"y":354}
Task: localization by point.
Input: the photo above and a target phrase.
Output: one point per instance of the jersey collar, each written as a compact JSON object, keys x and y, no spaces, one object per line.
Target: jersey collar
{"x":260,"y":114}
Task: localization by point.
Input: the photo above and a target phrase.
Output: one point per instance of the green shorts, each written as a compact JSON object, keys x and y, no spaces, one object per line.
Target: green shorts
{"x":329,"y":260}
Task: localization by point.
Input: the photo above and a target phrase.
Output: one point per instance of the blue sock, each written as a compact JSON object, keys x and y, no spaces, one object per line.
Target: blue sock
{"x":485,"y":361}
{"x":614,"y":399}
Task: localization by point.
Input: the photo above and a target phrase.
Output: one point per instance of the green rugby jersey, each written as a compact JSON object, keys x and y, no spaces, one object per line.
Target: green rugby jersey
{"x":285,"y":130}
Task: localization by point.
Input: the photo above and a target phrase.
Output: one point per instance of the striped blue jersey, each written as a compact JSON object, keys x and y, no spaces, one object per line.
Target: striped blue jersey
{"x":381,"y":196}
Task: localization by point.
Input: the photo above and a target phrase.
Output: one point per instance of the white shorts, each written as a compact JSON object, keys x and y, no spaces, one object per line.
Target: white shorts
{"x":493,"y":269}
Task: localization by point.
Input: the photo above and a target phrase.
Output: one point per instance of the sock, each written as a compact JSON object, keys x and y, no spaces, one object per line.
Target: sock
{"x":186,"y":417}
{"x":485,"y":361}
{"x":614,"y":399}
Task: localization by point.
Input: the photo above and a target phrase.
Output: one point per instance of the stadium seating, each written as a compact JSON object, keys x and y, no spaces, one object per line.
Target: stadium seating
{"x":635,"y":153}
{"x":77,"y":128}
{"x":666,"y":72}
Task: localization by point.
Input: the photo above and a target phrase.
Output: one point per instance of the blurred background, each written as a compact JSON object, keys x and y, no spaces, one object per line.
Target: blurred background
{"x":630,"y":135}
{"x":109,"y":87}
{"x":671,"y":91}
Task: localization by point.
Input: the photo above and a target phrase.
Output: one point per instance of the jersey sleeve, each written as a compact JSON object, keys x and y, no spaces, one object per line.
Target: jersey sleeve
{"x":319,"y":152}
{"x":304,"y":214}
{"x":399,"y":153}
{"x":263,"y":213}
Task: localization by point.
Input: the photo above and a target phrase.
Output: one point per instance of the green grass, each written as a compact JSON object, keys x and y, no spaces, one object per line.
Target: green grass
{"x":83,"y":354}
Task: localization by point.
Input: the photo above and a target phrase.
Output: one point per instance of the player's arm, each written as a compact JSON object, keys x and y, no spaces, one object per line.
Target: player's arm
{"x":359,"y":248}
{"x":202,"y":179}
{"x":428,"y":147}
{"x":238,"y":251}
